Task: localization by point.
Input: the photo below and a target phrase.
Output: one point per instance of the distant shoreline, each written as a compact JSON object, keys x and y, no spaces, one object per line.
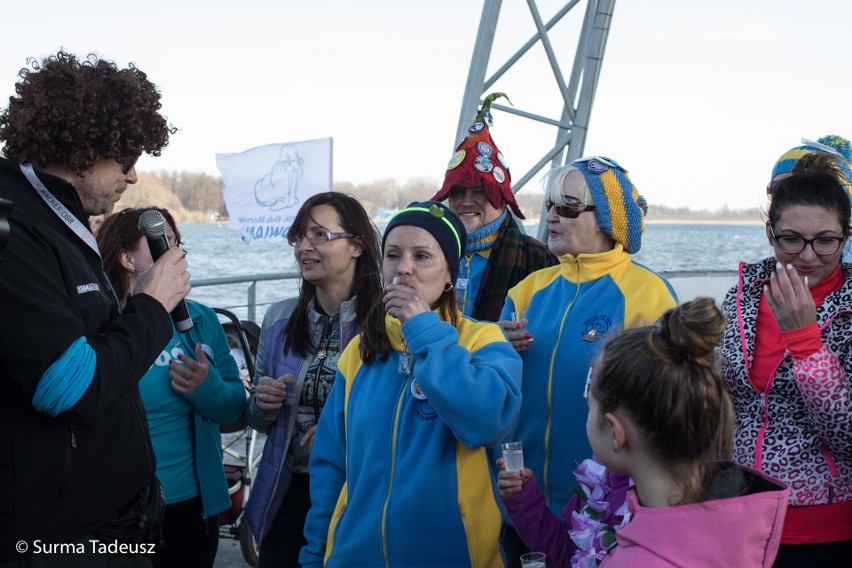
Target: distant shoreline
{"x":684,"y":221}
{"x":703,"y":222}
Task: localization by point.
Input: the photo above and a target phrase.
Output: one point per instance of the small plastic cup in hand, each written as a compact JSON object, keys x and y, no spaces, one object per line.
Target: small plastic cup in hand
{"x":533,"y":560}
{"x":513,"y":455}
{"x":291,"y":397}
{"x":518,"y":316}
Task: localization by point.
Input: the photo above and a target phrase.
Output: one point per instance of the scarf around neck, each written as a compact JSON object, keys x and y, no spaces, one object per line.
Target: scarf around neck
{"x":484,"y":237}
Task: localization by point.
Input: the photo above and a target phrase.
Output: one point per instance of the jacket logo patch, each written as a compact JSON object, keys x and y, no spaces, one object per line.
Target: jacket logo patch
{"x":91,"y":287}
{"x":426,"y":412}
{"x":166,"y":357}
{"x":595,"y":328}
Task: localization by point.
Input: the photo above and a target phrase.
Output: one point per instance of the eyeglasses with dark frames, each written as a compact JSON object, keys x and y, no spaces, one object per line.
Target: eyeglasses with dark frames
{"x":317,"y":238}
{"x":794,"y":244}
{"x":570,"y":210}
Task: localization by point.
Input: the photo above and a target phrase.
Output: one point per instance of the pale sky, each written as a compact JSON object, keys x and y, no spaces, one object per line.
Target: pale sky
{"x":697,"y":99}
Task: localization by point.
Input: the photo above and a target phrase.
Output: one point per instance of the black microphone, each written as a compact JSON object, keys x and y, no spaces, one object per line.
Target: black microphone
{"x":153,"y":226}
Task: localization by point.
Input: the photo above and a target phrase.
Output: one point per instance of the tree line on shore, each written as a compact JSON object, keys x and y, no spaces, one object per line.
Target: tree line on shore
{"x":197,"y":197}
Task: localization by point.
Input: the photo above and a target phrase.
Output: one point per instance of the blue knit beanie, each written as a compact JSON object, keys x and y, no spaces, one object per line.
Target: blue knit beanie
{"x":440,"y":222}
{"x":620,"y":209}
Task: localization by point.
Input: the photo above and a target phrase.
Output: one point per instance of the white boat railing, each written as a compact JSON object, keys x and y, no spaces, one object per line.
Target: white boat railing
{"x":688,"y":284}
{"x":251,"y":304}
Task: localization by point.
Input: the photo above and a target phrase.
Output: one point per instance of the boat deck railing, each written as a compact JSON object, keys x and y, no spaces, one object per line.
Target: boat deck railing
{"x":688,"y":284}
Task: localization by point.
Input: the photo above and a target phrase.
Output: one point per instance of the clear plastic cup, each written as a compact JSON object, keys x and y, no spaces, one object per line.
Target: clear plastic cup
{"x":533,"y":560}
{"x":291,"y":397}
{"x":518,"y":316}
{"x":513,"y":454}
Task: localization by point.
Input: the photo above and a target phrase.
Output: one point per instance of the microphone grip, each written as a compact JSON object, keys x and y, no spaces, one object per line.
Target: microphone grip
{"x":180,"y":314}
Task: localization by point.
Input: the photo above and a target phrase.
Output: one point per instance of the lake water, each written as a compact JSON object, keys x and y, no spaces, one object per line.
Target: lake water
{"x":217,"y":251}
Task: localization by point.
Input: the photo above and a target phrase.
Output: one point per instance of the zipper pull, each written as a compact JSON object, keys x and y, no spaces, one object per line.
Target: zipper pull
{"x":73,"y":437}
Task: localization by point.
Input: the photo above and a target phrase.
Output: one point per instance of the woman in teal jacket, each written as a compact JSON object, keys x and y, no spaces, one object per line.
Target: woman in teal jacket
{"x":595,"y":219}
{"x":400,"y":471}
{"x":188,"y":392}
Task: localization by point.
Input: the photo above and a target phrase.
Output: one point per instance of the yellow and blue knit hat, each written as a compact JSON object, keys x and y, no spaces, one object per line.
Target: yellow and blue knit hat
{"x":830,"y":144}
{"x":621,"y":210}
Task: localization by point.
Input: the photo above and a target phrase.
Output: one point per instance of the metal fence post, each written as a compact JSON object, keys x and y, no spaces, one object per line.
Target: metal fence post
{"x":252,"y":301}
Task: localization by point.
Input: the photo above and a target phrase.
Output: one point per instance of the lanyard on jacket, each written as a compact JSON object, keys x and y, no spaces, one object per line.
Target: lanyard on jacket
{"x":69,"y":219}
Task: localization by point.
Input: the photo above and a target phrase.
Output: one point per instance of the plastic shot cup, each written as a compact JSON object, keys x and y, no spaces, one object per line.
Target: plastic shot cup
{"x":291,"y":397}
{"x":533,"y":560}
{"x":518,"y":316}
{"x":513,"y":454}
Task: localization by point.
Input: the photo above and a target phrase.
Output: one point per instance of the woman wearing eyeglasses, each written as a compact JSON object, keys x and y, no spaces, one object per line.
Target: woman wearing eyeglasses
{"x":786,"y":355}
{"x":595,"y":219}
{"x":337,"y":253}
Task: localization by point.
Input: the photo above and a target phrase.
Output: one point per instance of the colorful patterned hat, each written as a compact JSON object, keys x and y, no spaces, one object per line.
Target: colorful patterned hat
{"x":830,"y":144}
{"x":477,"y":159}
{"x":621,"y":210}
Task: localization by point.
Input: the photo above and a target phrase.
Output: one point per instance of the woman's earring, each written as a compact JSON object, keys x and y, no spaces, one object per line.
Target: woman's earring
{"x":448,"y":286}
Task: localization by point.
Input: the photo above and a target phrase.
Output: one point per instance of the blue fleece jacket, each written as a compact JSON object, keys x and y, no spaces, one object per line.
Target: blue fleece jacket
{"x":400,"y":478}
{"x":572,"y":308}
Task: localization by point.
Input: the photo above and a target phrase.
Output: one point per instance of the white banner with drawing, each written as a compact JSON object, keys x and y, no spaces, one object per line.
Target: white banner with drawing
{"x":265,"y":186}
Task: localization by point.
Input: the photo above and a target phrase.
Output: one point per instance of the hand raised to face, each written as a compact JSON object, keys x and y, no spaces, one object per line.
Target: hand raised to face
{"x":789,"y":298}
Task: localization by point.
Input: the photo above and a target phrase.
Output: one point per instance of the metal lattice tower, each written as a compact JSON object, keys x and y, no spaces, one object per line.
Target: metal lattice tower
{"x":578,"y":94}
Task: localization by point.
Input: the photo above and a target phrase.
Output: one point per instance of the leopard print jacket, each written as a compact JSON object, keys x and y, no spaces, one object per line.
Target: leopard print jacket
{"x":800,"y":431}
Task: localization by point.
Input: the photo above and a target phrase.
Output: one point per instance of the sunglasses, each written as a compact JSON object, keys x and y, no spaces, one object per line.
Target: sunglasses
{"x":571,"y":210}
{"x":125,"y":168}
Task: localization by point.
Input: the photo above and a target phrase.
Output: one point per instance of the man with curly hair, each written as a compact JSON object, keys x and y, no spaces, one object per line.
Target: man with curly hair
{"x":76,"y":464}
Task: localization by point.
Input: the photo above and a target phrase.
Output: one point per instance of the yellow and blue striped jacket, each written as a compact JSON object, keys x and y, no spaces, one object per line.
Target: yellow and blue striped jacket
{"x":405,"y":480}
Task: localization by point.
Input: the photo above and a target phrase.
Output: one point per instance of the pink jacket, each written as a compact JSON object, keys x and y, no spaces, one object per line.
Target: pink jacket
{"x":742,"y":531}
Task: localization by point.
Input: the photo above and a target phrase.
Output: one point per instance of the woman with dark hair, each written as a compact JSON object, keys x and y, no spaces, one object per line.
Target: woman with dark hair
{"x":400,"y":470}
{"x":833,"y":145}
{"x":786,"y":362}
{"x":337,"y":253}
{"x":192,"y":388}
{"x":658,"y":413}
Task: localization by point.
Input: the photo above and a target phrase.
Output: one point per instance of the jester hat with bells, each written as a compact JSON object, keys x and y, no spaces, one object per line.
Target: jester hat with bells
{"x":477,"y":159}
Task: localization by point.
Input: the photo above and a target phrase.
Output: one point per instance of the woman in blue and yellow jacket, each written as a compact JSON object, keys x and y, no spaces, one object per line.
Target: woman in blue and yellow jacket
{"x":400,"y":472}
{"x":595,"y":219}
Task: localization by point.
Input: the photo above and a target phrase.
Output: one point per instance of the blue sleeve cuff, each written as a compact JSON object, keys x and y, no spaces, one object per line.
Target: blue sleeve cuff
{"x":64,"y":383}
